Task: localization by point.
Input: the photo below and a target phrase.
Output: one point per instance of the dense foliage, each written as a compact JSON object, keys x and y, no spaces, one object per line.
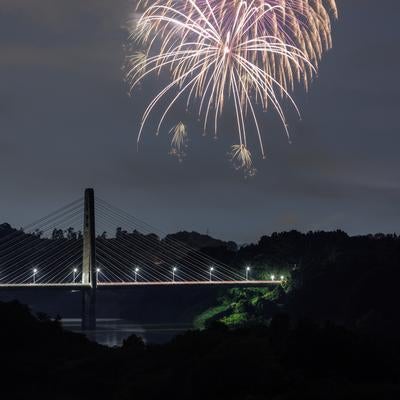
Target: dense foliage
{"x":285,"y":360}
{"x":329,"y":276}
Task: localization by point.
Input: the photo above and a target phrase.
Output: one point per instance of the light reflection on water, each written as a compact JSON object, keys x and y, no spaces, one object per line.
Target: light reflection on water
{"x":111,"y":332}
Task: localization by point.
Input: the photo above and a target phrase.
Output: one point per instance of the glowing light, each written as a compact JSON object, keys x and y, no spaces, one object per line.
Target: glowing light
{"x":272,"y":277}
{"x":211,"y":273}
{"x":240,"y":54}
{"x":179,"y":140}
{"x":247,"y":272}
{"x":34,"y":275}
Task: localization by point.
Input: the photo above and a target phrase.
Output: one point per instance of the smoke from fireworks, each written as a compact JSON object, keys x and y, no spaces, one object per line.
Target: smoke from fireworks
{"x":247,"y":53}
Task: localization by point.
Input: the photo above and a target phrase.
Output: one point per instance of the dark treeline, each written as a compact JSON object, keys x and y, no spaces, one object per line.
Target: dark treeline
{"x":121,"y":251}
{"x":330,"y":331}
{"x":285,"y":360}
{"x":351,"y":280}
{"x":330,"y":276}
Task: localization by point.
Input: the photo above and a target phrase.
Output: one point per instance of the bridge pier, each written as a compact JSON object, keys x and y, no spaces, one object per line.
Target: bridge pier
{"x":88,"y":309}
{"x":89,"y":275}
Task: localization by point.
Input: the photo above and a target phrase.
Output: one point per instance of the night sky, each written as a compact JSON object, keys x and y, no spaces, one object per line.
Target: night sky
{"x":66,"y":123}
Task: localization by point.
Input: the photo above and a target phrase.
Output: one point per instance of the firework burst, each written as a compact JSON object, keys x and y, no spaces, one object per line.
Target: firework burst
{"x":179,"y":140}
{"x":248,"y":53}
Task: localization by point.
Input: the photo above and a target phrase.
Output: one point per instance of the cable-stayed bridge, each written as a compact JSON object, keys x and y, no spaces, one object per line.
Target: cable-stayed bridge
{"x":90,"y":244}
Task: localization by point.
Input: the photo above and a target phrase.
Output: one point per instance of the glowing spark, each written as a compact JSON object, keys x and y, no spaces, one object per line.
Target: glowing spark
{"x":179,"y":139}
{"x":135,"y":62}
{"x":245,"y":53}
{"x":138,"y":59}
{"x":242,"y":156}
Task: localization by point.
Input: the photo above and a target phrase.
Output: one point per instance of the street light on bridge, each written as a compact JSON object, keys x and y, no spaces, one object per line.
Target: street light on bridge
{"x":247,"y":272}
{"x":97,"y":273}
{"x":74,"y":271}
{"x":211,"y":271}
{"x":173,"y":273}
{"x":35,"y":271}
{"x":136,"y":273}
{"x":272,"y":277}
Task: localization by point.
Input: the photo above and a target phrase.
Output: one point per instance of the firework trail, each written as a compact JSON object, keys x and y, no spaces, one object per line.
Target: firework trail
{"x":179,"y":140}
{"x":246,"y":53}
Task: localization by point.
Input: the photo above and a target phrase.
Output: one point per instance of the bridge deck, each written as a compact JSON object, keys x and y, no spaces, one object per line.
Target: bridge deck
{"x":130,"y":284}
{"x":190,"y":283}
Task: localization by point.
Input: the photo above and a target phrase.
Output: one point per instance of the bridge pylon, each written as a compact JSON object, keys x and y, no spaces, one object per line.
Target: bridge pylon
{"x":89,"y":276}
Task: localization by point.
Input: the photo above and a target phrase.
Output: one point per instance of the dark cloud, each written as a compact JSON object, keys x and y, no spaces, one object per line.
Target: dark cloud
{"x":67,"y":123}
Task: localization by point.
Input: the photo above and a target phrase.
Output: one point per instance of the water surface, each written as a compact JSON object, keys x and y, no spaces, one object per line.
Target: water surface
{"x":111,"y":332}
